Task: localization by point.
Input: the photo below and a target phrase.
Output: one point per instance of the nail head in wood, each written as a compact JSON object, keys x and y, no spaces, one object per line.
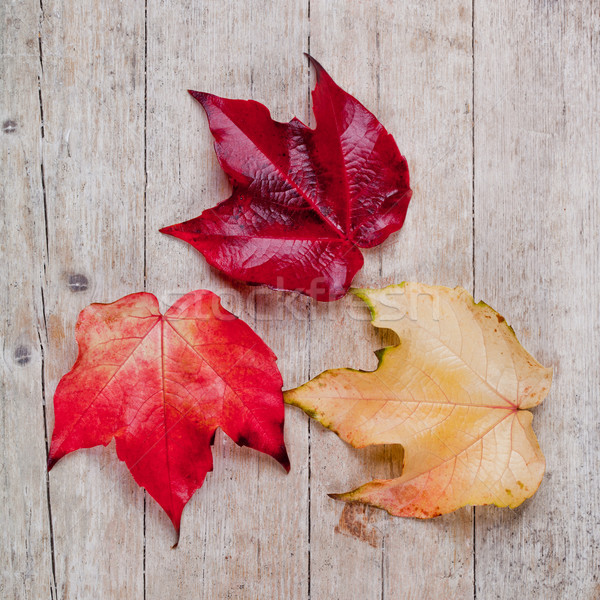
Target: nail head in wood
{"x":78,"y":282}
{"x":9,"y":126}
{"x":22,"y":355}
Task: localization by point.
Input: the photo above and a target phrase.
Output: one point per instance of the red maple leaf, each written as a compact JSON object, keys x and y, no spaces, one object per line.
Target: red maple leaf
{"x":304,"y":200}
{"x":162,"y":384}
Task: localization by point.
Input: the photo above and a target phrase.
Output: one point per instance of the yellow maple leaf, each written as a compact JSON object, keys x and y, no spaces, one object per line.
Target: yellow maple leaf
{"x":454,"y":393}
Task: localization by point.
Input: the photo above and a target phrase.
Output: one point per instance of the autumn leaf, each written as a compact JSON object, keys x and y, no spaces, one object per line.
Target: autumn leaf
{"x":160,"y":385}
{"x":454,"y":393}
{"x":304,"y":201}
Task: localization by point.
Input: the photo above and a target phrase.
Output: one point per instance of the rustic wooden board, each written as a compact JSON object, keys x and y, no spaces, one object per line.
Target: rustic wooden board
{"x":244,"y":534}
{"x":496,"y":106}
{"x":537,"y":185}
{"x":25,"y":526}
{"x":92,"y":93}
{"x":393,"y":67}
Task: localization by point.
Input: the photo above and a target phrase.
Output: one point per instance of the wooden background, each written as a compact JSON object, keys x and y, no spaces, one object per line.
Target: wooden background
{"x":496,"y":105}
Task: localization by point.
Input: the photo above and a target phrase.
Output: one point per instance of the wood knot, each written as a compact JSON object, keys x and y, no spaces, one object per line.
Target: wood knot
{"x":22,"y":355}
{"x":9,"y":126}
{"x":78,"y":282}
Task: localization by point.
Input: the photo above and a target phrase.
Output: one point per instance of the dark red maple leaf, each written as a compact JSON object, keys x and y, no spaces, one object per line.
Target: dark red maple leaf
{"x":304,"y":200}
{"x":161,"y":385}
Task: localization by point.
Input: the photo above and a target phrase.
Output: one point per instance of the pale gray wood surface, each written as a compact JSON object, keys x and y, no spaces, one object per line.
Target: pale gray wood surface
{"x":26,"y":553}
{"x":537,"y":192}
{"x":92,"y":93}
{"x":392,"y":66}
{"x":495,"y":106}
{"x":244,"y":534}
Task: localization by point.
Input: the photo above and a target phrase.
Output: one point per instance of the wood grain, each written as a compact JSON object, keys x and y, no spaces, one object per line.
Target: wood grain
{"x":25,"y":540}
{"x":411,"y":65}
{"x":537,"y":184}
{"x":92,"y":91}
{"x":497,"y":111}
{"x":244,"y":534}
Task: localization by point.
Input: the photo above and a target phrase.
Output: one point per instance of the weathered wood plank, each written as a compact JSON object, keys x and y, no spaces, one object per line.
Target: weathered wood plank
{"x":244,"y":533}
{"x":537,"y":184}
{"x":25,"y":528}
{"x":93,"y":149}
{"x":411,"y":65}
